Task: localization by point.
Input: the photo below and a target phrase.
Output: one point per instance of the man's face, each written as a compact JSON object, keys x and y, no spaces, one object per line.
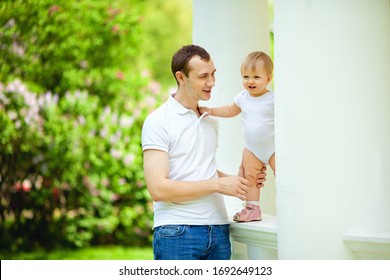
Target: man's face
{"x":201,"y":78}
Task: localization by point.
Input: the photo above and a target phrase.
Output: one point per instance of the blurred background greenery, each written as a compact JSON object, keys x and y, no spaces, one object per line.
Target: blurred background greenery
{"x":77,"y":79}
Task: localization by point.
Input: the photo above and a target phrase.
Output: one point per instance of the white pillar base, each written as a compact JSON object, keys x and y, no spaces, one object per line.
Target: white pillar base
{"x":255,"y":240}
{"x":368,"y":245}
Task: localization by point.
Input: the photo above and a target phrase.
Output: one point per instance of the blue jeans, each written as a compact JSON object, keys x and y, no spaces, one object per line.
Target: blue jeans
{"x":191,"y":242}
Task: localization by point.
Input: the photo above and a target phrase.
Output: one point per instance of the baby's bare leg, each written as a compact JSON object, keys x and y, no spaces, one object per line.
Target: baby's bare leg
{"x":252,"y":166}
{"x":272,"y":163}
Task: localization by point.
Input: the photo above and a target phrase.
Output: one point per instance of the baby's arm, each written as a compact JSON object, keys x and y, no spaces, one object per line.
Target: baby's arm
{"x":226,"y":111}
{"x":203,"y":109}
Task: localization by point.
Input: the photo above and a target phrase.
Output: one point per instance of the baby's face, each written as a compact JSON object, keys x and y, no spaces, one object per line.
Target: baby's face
{"x":255,"y":81}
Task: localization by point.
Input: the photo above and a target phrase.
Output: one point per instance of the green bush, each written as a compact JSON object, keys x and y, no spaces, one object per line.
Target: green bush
{"x":72,"y":104}
{"x":68,"y":45}
{"x":71,"y":173}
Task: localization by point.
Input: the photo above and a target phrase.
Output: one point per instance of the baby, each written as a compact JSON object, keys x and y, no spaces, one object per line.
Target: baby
{"x":256,"y":103}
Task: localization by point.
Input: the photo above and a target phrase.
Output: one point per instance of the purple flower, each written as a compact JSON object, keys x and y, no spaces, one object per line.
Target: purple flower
{"x":129,"y":159}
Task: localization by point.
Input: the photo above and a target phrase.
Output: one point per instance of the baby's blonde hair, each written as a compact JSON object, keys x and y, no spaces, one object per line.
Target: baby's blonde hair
{"x":256,"y":60}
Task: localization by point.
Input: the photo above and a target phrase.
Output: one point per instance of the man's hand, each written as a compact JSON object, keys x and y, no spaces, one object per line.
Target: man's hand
{"x":261,"y":177}
{"x":234,"y":186}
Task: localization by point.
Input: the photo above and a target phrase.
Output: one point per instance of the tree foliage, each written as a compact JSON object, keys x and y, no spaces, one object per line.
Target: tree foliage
{"x":166,"y":25}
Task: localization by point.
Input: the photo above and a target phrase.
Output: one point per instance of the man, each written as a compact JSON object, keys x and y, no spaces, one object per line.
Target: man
{"x":179,"y":145}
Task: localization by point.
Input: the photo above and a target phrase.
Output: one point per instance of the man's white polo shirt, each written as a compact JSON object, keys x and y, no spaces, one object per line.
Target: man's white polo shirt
{"x":191,"y":143}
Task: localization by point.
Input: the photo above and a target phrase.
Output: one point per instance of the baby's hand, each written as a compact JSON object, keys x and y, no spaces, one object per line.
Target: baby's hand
{"x":204,"y":109}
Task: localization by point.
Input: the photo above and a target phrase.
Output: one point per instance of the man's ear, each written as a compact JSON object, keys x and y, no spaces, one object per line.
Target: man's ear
{"x":179,"y":77}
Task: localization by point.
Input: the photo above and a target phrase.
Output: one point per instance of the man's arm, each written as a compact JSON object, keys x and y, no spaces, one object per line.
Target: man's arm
{"x":161,"y":188}
{"x":261,"y":177}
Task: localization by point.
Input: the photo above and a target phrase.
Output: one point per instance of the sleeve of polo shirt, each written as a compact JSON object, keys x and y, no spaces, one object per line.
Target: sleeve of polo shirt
{"x":154,"y":135}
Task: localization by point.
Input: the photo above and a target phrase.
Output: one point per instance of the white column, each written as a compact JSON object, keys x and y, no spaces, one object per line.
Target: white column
{"x":229,"y":30}
{"x":332,"y":124}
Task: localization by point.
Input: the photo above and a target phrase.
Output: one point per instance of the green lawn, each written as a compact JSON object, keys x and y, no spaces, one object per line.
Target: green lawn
{"x":92,"y":253}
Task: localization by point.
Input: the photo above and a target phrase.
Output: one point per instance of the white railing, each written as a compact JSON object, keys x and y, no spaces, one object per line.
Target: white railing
{"x":368,"y":244}
{"x":255,"y":240}
{"x":258,"y":241}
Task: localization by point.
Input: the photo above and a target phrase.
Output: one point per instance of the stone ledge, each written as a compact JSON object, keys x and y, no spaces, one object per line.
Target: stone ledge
{"x":368,"y":245}
{"x":260,"y":238}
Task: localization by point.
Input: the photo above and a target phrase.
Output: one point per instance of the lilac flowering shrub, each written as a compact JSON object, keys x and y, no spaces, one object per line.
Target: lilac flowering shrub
{"x":72,"y":105}
{"x":68,"y":45}
{"x":71,"y":171}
